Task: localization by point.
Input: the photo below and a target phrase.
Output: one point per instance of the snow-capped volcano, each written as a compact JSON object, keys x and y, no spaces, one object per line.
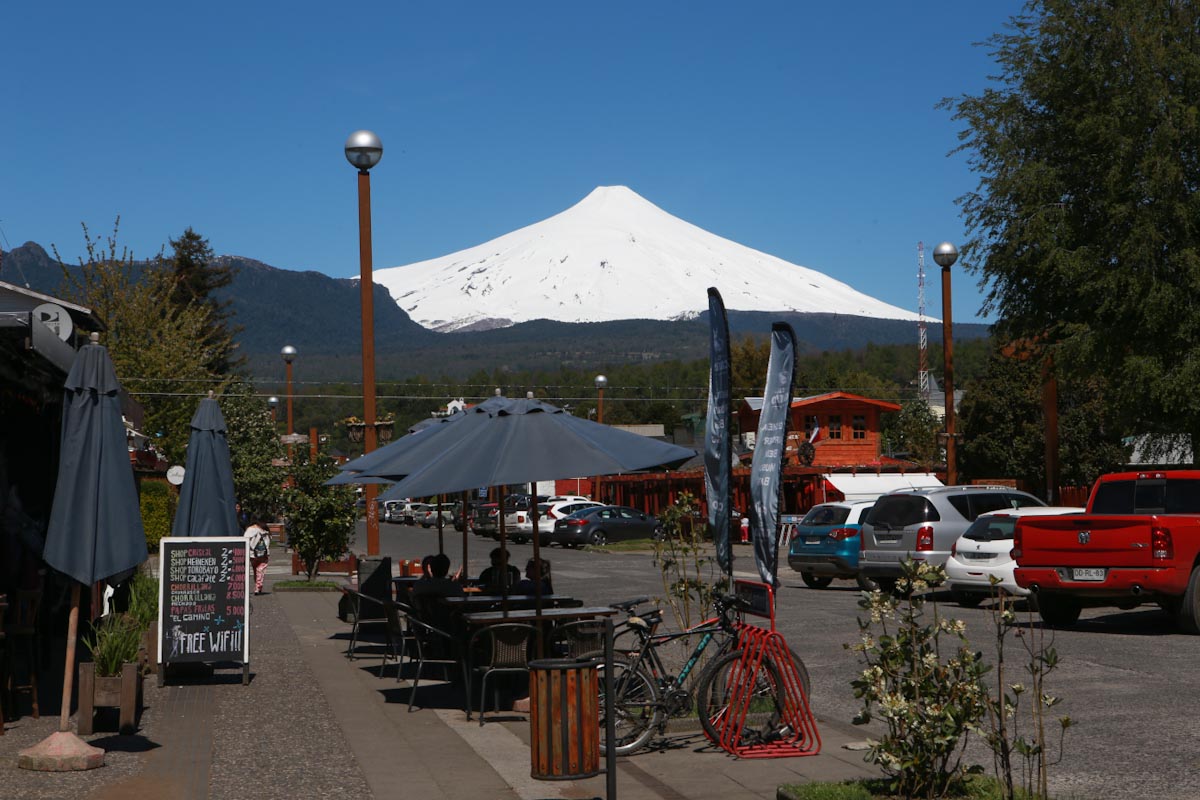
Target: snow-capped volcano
{"x":614,"y":255}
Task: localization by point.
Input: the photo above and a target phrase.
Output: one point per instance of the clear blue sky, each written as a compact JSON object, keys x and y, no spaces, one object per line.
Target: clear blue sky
{"x":807,"y":130}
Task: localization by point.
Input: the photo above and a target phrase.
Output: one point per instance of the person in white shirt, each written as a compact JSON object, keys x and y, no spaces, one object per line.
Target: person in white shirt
{"x":258,"y":539}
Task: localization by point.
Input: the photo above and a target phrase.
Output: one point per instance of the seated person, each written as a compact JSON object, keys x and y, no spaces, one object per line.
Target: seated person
{"x":495,"y":579}
{"x":434,"y":582}
{"x":529,"y":584}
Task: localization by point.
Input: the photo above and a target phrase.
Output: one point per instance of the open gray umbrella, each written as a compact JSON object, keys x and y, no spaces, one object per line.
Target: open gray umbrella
{"x":509,"y":441}
{"x":95,"y":530}
{"x":207,"y":505}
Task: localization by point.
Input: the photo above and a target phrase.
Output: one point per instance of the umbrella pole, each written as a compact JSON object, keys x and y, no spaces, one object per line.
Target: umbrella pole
{"x":441,"y":541}
{"x":64,"y":719}
{"x":537,"y":564}
{"x":466,"y":532}
{"x":503,"y":551}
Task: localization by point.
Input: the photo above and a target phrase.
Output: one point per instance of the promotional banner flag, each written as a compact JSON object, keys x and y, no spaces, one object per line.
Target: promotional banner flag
{"x":717,"y":449}
{"x":767,"y":465}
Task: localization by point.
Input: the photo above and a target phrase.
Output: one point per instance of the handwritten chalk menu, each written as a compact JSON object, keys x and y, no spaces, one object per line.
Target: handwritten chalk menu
{"x":203,"y":605}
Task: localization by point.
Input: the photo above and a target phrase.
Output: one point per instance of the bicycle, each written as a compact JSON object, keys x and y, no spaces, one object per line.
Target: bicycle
{"x":648,"y":696}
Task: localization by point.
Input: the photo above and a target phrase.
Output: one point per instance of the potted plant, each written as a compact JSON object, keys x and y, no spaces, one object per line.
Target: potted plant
{"x":143,"y":607}
{"x":112,"y":679}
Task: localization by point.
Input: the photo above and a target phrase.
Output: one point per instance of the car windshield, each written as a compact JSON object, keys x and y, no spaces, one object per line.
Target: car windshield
{"x":581,"y":513}
{"x":826,"y":515}
{"x":990,"y":529}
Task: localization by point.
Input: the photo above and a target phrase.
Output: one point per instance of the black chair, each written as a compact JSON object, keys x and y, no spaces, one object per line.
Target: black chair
{"x":431,"y":644}
{"x":362,"y":605}
{"x":496,"y":649}
{"x":578,"y":638}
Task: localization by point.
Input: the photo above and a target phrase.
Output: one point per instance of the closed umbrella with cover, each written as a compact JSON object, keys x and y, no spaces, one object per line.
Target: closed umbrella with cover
{"x":207,"y":505}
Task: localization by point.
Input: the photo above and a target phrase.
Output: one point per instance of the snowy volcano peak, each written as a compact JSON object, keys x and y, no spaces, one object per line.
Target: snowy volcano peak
{"x":613,"y":255}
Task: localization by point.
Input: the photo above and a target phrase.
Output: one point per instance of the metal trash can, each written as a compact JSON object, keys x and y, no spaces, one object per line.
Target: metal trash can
{"x":564,"y":718}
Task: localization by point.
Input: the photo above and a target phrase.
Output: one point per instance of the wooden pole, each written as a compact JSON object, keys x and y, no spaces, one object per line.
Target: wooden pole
{"x":64,"y":720}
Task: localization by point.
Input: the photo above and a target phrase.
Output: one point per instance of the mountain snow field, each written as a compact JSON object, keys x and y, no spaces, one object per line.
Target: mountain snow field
{"x":612,"y":256}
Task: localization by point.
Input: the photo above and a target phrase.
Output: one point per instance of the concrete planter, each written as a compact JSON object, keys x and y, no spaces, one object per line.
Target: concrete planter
{"x":123,"y":692}
{"x":345,"y":566}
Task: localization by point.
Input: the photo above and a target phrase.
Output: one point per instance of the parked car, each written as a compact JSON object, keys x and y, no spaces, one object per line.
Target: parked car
{"x":602,"y":524}
{"x":415,"y":512}
{"x":924,"y":523}
{"x":984,"y":551}
{"x":826,"y":543}
{"x":553,"y":511}
{"x":567,"y":498}
{"x":431,"y":516}
{"x":483,"y":519}
{"x":392,"y":511}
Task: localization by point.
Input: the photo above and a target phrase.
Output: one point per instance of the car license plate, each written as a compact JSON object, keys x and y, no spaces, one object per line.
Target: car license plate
{"x":1088,"y":573}
{"x":812,"y":540}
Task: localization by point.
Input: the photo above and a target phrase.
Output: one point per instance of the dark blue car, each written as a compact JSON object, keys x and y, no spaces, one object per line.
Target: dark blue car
{"x":825,"y":544}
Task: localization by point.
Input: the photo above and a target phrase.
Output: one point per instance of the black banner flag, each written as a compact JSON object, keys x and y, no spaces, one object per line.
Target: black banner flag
{"x":767,"y":465}
{"x":717,"y":450}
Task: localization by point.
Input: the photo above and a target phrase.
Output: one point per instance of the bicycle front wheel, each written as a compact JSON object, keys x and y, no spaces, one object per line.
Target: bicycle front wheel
{"x":715,"y":690}
{"x":636,"y":709}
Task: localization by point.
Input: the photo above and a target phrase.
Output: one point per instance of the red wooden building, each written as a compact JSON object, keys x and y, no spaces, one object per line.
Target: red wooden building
{"x":847,"y":428}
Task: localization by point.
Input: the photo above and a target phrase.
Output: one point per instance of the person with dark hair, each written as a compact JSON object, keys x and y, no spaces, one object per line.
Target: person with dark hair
{"x":258,"y":540}
{"x":434,"y":581}
{"x":496,"y":578}
{"x":528,"y":585}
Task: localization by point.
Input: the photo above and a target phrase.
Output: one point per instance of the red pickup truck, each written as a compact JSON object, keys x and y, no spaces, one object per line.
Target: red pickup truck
{"x":1139,"y":542}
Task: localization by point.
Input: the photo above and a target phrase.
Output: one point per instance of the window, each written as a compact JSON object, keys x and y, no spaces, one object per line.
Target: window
{"x":859,"y":425}
{"x":835,"y":426}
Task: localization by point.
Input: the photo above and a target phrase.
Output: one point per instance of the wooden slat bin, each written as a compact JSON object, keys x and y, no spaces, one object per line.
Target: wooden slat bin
{"x":564,"y":718}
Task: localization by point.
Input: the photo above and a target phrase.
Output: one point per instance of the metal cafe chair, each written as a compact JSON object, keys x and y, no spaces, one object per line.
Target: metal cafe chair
{"x":577,"y":638}
{"x":500,"y":648}
{"x":431,"y":644}
{"x":21,"y":642}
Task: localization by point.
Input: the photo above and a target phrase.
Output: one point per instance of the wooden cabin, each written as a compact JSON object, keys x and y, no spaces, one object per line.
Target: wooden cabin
{"x":848,"y":428}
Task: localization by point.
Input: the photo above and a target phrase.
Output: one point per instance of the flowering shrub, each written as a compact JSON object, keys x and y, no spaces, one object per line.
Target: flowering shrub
{"x":929,"y":696}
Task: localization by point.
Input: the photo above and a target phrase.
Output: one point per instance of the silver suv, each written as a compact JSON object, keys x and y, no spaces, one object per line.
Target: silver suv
{"x":924,"y":523}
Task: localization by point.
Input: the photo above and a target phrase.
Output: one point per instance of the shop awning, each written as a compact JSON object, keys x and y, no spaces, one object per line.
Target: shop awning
{"x":870,"y":486}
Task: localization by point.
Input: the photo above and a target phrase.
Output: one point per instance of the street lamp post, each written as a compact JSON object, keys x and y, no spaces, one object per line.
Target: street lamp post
{"x":601,"y":381}
{"x":363,"y":151}
{"x":289,"y":354}
{"x":945,"y":254}
{"x":273,"y":402}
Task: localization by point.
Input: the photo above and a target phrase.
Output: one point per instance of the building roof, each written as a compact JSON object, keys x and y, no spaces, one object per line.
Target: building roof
{"x":756,"y":403}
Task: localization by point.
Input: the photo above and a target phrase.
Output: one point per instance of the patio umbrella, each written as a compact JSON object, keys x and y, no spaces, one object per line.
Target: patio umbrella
{"x":207,"y":505}
{"x":506,"y":441}
{"x":95,"y":530}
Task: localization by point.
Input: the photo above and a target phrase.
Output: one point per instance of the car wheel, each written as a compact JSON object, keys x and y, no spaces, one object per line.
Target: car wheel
{"x":598,"y":539}
{"x":1189,"y":609}
{"x":968,"y":599}
{"x":815,"y":581}
{"x":1058,"y":612}
{"x":865,"y":583}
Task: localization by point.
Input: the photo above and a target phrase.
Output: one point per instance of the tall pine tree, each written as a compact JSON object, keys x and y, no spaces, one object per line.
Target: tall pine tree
{"x":198,"y":276}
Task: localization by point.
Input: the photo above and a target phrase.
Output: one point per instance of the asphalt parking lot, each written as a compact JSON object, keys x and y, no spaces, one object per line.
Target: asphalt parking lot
{"x":1124,"y":676}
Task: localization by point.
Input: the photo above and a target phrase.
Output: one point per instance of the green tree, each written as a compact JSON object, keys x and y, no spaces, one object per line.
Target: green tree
{"x":198,"y":275}
{"x":914,"y":431}
{"x":320,"y":518}
{"x":254,"y":449}
{"x":158,"y":348}
{"x":1085,"y":223}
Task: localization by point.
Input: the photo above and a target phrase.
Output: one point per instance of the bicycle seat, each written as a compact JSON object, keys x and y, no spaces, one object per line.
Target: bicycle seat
{"x":646,"y":621}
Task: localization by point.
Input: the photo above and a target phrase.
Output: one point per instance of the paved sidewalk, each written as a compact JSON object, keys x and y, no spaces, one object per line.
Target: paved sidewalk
{"x":312,"y":724}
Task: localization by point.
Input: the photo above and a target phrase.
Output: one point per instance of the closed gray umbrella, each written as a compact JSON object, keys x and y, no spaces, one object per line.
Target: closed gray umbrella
{"x":207,"y":505}
{"x":95,"y":530}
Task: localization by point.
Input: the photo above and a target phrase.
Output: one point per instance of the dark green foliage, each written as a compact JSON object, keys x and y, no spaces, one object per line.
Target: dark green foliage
{"x":198,"y":276}
{"x":912,"y":433}
{"x":1086,"y":219}
{"x":143,"y":599}
{"x":320,"y":518}
{"x":158,"y":510}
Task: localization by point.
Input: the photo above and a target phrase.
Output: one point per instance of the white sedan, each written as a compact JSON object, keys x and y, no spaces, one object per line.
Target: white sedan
{"x":983,"y":552}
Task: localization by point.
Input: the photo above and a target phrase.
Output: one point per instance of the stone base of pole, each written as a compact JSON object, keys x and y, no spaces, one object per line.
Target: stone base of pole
{"x":61,"y":751}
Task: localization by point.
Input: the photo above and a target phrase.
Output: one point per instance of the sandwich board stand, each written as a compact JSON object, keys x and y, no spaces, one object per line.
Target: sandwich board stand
{"x":203,"y":602}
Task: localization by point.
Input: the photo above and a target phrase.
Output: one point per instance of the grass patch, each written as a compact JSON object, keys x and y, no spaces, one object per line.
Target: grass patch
{"x":627,"y":546}
{"x":975,"y":787}
{"x":306,"y":586}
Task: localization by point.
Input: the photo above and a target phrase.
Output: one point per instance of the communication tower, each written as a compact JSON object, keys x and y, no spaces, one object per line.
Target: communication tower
{"x":922,"y":335}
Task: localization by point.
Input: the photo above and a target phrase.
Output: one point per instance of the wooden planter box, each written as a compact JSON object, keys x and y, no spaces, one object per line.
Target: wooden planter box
{"x":278,"y":533}
{"x":123,"y":692}
{"x":345,"y":566}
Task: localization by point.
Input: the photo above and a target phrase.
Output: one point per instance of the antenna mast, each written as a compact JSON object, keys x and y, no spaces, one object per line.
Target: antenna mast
{"x":922,"y":336}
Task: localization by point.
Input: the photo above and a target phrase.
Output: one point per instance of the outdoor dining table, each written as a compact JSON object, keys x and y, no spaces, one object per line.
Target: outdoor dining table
{"x":402,"y":584}
{"x":480,"y":602}
{"x":531,"y":615}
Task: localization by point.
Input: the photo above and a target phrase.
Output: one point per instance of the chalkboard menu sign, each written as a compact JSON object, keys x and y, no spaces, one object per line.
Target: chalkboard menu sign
{"x":203,"y":605}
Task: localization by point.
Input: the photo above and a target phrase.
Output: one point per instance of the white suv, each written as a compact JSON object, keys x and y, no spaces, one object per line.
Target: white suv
{"x":924,"y":523}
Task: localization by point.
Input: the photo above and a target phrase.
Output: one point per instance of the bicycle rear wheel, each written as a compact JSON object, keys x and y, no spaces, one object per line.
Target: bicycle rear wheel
{"x":636,"y":709}
{"x":715,"y":690}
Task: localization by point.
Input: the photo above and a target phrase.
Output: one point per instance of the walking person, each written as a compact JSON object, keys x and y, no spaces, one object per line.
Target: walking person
{"x":258,"y":539}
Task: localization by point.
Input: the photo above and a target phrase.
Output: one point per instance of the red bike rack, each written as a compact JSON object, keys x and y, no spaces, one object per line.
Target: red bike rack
{"x":797,"y":733}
